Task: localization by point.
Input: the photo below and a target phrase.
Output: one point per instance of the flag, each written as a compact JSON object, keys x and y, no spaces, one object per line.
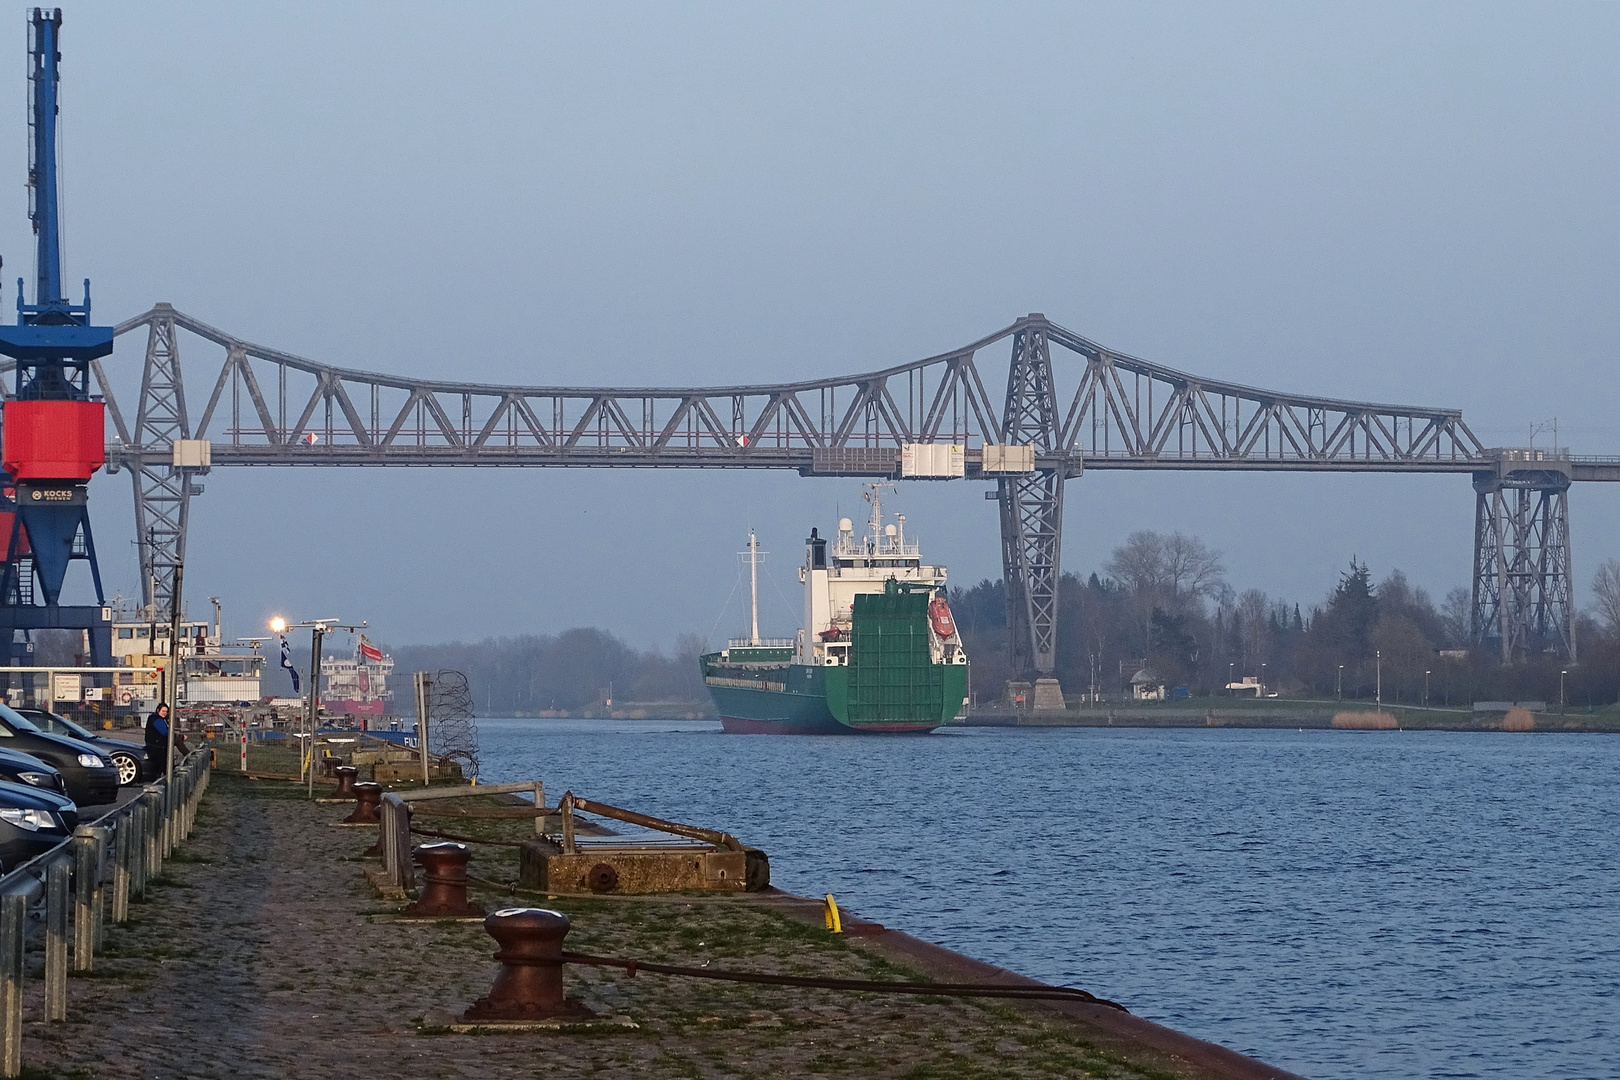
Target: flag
{"x":368,"y":651}
{"x":286,"y":662}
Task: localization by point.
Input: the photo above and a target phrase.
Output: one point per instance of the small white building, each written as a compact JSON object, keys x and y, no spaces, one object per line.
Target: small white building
{"x":1147,"y":686}
{"x":1250,"y":684}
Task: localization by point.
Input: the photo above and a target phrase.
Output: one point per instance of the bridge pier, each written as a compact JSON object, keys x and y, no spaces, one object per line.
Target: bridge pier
{"x":1522,"y":598}
{"x":162,"y":490}
{"x":1032,"y":507}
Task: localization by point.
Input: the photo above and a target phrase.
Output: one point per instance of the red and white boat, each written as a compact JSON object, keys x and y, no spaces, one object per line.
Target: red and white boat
{"x":357,"y":685}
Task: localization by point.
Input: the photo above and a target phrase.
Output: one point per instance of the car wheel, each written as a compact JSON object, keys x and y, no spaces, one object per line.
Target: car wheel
{"x":129,"y":770}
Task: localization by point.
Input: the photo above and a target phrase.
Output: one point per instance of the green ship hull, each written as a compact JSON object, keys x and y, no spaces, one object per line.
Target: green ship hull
{"x":891,"y":684}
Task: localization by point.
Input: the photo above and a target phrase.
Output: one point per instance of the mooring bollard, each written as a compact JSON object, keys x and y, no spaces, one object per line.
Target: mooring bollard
{"x":444,"y":888}
{"x":345,"y":781}
{"x":367,"y":801}
{"x":530,"y":984}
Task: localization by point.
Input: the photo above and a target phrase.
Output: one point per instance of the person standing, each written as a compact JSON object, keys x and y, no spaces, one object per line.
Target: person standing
{"x":157,"y":741}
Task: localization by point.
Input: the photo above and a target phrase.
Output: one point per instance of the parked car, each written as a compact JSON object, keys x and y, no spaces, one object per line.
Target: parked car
{"x":90,"y":777}
{"x":127,"y":757}
{"x":32,"y":821}
{"x":19,"y":768}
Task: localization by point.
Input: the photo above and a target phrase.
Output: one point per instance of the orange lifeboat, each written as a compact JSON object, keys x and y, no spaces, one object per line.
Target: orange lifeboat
{"x":939,"y":617}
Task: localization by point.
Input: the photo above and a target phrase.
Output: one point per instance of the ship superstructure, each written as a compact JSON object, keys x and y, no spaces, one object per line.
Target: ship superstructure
{"x":357,"y":685}
{"x":213,"y":673}
{"x":878,"y":651}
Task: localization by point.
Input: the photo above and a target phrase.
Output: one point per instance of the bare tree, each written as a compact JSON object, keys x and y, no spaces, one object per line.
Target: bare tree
{"x":1139,"y":563}
{"x":1192,"y":569}
{"x":1606,"y":591}
{"x":1457,"y":614}
{"x":1253,"y":608}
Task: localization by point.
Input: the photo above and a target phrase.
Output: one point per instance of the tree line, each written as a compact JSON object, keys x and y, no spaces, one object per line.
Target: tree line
{"x":1160,"y":600}
{"x":574,"y":671}
{"x":1164,"y":602}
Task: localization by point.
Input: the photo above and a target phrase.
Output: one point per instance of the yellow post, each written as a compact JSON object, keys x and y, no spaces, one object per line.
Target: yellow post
{"x":834,"y":923}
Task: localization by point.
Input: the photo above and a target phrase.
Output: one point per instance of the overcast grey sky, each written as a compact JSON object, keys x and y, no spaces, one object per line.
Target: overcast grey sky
{"x":1411,"y":203}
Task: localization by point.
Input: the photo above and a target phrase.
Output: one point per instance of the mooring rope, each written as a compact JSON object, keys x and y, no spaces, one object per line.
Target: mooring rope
{"x":1035,"y":993}
{"x":992,"y":990}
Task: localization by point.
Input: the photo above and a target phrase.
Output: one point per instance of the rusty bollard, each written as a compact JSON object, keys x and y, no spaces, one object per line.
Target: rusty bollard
{"x":367,"y":804}
{"x":345,"y":777}
{"x":530,"y":985}
{"x":444,"y":888}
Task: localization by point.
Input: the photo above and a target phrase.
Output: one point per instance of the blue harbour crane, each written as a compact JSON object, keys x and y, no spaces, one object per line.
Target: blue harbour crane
{"x":53,"y":437}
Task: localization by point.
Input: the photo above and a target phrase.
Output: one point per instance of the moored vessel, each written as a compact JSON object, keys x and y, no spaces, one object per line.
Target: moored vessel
{"x":878,"y":650}
{"x":357,"y":685}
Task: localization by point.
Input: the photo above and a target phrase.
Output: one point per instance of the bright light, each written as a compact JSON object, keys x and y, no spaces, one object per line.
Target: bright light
{"x":278,"y":625}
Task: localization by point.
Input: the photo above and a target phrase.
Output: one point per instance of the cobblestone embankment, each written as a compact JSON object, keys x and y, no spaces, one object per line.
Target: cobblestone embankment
{"x":263,"y":952}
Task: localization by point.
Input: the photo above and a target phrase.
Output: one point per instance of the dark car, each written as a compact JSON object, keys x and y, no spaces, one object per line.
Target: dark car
{"x":90,"y":777}
{"x":127,"y":757}
{"x":20,"y":768}
{"x":32,"y":821}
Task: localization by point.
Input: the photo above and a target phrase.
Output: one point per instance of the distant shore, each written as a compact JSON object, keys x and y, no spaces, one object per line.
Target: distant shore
{"x":1281,"y":714}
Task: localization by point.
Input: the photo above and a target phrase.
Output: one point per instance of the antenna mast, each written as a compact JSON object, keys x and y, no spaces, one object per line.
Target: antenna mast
{"x":753,"y":588}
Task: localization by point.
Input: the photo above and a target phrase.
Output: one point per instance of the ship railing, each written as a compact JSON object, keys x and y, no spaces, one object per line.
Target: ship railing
{"x":82,"y":883}
{"x":762,"y":643}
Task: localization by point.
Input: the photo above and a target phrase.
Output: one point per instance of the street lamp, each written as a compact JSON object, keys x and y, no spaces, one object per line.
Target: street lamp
{"x":318,"y":629}
{"x":1379,"y":688}
{"x":1262,"y":680}
{"x":1425,"y":689}
{"x":1229,"y":691}
{"x":1338,"y":685}
{"x":1561,"y":675}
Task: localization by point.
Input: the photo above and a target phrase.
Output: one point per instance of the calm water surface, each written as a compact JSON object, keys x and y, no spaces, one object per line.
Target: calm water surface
{"x":1341,"y":904}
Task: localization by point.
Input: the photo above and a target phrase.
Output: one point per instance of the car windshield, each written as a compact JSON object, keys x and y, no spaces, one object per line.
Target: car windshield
{"x":17,"y":721}
{"x":52,"y":722}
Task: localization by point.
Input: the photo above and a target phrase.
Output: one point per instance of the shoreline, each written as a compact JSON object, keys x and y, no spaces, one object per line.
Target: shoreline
{"x":1255,"y":720}
{"x":1282,"y":718}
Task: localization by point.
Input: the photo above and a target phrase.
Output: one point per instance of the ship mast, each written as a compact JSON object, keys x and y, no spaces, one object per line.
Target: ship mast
{"x":753,"y":588}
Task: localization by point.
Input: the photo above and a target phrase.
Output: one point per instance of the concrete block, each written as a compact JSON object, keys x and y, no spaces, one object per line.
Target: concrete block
{"x":640,"y":871}
{"x":1048,"y":696}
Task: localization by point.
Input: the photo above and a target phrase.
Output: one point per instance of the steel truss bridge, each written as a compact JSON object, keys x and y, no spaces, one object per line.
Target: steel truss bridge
{"x":1069,"y":405}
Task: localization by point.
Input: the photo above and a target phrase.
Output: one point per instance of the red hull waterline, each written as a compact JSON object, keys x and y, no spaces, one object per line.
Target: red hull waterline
{"x":738,"y":725}
{"x":373,"y":707}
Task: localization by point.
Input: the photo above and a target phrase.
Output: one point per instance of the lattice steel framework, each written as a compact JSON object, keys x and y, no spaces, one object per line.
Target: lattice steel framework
{"x":1032,"y":504}
{"x":162,"y":492}
{"x":1110,"y":411}
{"x":1522,"y":561}
{"x":1079,"y":404}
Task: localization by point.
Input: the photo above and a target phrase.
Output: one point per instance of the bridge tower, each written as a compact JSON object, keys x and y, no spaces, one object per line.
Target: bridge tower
{"x":1522,"y":599}
{"x":163,"y":486}
{"x":54,"y":429}
{"x":1032,"y":509}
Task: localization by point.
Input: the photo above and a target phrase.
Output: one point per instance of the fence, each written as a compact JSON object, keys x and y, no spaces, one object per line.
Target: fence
{"x":83,"y":883}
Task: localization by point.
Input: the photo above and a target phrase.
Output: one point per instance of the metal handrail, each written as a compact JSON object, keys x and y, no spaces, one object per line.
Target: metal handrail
{"x":91,"y":874}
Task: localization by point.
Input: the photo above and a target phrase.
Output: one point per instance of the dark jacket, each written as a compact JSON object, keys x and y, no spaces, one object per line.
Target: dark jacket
{"x":157,"y":743}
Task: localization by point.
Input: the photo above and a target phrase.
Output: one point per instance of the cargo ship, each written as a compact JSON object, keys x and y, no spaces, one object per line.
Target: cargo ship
{"x":878,"y":651}
{"x":357,"y":685}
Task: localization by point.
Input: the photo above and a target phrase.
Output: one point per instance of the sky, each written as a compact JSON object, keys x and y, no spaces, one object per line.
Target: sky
{"x":1389,"y":202}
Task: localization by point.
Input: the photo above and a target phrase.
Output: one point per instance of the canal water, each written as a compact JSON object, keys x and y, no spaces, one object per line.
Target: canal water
{"x":1342,"y":904}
